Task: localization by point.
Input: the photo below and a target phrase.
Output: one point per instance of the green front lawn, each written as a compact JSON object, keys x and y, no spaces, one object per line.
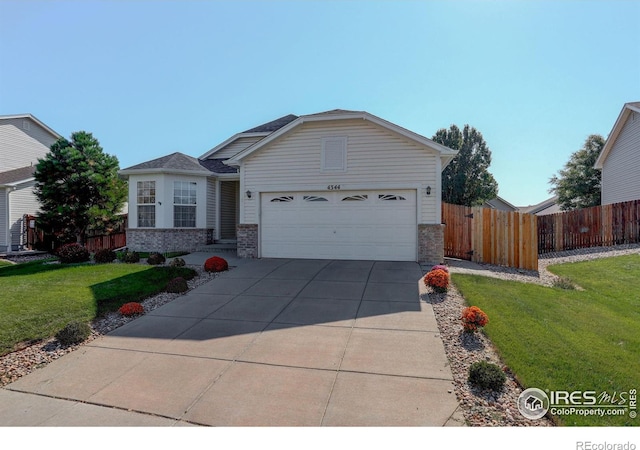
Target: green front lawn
{"x":40,"y":298}
{"x":4,"y":263}
{"x":569,"y":340}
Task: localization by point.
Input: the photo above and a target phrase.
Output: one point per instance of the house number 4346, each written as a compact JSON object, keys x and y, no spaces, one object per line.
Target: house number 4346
{"x":333,"y":187}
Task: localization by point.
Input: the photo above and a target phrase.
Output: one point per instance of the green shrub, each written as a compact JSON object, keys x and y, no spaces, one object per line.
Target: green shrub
{"x":155,"y":259}
{"x":73,"y":333}
{"x":104,"y":255}
{"x":72,"y":253}
{"x":177,"y":285}
{"x":486,"y":375}
{"x":130,"y":257}
{"x":177,"y":262}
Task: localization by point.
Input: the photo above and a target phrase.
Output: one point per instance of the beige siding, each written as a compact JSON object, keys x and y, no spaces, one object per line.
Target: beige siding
{"x":22,"y":201}
{"x":3,"y":219}
{"x":21,"y":147}
{"x":211,"y":203}
{"x":376,"y":158}
{"x":621,"y":169}
{"x":236,"y":147}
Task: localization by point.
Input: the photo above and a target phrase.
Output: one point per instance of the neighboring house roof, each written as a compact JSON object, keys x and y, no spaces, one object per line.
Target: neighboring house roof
{"x":34,"y":119}
{"x":17,"y":176}
{"x":627,"y":109}
{"x":174,"y":163}
{"x":446,"y":154}
{"x":501,"y":204}
{"x":549,"y":206}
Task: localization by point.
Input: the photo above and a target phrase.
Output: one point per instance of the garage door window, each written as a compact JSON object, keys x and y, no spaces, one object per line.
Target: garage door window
{"x":284,"y":198}
{"x":313,"y":198}
{"x":390,"y":197}
{"x":355,"y":198}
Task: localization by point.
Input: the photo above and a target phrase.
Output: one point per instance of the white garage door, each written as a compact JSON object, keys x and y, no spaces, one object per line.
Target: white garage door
{"x":377,"y":225}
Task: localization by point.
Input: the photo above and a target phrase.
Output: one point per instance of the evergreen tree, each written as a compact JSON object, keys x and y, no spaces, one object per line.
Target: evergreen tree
{"x":78,"y":187}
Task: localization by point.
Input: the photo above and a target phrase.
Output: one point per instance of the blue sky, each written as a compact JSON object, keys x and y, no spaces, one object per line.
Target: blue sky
{"x":148,"y":78}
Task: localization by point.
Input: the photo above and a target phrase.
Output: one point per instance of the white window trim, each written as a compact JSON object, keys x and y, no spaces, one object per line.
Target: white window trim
{"x":341,"y":139}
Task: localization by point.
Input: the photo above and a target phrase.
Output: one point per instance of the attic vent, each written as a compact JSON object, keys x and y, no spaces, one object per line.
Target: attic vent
{"x":334,"y":154}
{"x":26,"y":125}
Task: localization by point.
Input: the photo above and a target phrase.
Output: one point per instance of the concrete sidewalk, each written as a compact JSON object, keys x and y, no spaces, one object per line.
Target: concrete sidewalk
{"x":273,"y":342}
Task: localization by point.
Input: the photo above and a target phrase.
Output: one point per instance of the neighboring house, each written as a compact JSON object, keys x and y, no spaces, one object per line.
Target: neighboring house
{"x":23,"y":140}
{"x":549,"y":206}
{"x":334,"y":185}
{"x":500,"y":204}
{"x":619,"y":159}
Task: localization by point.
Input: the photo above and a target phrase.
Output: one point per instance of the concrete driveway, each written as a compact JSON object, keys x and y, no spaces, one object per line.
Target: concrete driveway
{"x":272,"y":342}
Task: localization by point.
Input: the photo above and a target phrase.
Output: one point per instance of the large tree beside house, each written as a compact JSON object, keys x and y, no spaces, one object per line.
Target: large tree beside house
{"x":577,"y":185}
{"x":78,"y":186}
{"x":466,"y":180}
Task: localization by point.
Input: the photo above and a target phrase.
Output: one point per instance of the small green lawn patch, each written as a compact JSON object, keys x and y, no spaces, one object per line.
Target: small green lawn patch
{"x":41,"y":298}
{"x":570,"y":340}
{"x":4,"y":263}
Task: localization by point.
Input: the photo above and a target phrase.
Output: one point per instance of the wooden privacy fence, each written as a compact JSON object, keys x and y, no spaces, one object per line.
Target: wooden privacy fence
{"x":605,"y":225}
{"x":490,"y":236}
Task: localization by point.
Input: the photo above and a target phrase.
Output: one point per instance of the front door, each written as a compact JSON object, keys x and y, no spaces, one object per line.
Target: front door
{"x":229,"y":211}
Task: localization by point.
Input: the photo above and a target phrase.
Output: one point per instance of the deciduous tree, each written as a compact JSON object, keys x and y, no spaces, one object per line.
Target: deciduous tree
{"x":577,"y":185}
{"x":466,"y":180}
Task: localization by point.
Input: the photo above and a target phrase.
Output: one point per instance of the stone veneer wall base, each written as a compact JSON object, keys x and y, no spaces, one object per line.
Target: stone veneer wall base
{"x":166,"y":239}
{"x":431,"y":243}
{"x":247,"y":234}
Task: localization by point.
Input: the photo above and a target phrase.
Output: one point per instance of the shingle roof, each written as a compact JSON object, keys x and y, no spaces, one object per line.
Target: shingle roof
{"x":174,"y":161}
{"x":15,"y":175}
{"x":217,"y":166}
{"x":274,"y":125}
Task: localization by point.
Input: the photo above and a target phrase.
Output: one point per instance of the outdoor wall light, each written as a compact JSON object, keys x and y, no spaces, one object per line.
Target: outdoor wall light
{"x":428,"y":190}
{"x":248,"y":194}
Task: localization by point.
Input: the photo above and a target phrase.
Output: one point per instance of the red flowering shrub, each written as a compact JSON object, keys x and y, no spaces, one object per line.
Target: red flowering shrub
{"x":215,"y":264}
{"x":438,"y":280}
{"x":473,"y":318}
{"x":131,"y":309}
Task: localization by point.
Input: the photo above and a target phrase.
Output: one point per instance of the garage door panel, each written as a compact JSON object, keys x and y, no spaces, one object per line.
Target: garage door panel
{"x":373,"y":226}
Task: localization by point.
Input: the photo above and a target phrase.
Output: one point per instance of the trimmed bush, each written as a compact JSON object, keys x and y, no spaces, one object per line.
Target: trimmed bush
{"x":177,"y":285}
{"x":156,"y":259}
{"x":131,"y":309}
{"x":73,"y":253}
{"x":73,"y":333}
{"x":486,"y":375}
{"x":177,"y":262}
{"x":104,"y":255}
{"x":215,"y":264}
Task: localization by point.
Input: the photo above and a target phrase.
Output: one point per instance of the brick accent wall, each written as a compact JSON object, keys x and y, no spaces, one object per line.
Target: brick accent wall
{"x":431,"y":243}
{"x":166,"y":239}
{"x":247,"y":234}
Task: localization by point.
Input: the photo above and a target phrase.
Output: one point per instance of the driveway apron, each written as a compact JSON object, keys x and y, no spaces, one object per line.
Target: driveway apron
{"x":272,"y":342}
